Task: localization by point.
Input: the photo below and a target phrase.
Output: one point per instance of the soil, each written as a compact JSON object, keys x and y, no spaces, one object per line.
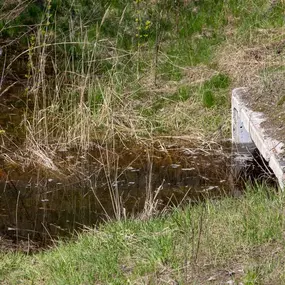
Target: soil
{"x":26,"y":247}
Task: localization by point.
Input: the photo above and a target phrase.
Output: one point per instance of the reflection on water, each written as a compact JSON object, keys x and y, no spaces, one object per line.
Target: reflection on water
{"x":35,"y":205}
{"x":39,"y":206}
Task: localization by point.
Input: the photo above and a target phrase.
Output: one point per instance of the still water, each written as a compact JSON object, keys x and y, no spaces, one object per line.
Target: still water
{"x":39,"y":205}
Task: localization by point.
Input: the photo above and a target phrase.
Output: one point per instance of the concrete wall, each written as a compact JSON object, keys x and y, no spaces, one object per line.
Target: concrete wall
{"x":247,"y":130}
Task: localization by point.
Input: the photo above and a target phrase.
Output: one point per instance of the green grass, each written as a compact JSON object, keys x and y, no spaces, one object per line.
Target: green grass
{"x":189,"y":246}
{"x":136,"y":58}
{"x":212,"y":90}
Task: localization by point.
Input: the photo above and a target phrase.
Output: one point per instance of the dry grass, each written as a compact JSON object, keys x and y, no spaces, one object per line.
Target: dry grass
{"x":245,"y":62}
{"x":11,"y":9}
{"x":76,"y":105}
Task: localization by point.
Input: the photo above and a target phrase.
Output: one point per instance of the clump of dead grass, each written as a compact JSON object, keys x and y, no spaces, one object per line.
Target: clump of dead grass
{"x":245,"y":62}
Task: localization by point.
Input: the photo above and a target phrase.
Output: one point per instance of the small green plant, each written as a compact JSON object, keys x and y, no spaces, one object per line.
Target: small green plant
{"x":251,"y":278}
{"x":219,"y":81}
{"x":208,"y":98}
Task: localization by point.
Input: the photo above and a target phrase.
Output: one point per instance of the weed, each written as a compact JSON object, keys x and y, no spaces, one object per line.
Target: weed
{"x":219,"y":81}
{"x":208,"y":98}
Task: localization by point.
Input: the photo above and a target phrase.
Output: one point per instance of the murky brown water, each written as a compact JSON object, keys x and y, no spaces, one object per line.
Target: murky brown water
{"x":12,"y":107}
{"x":38,"y":206}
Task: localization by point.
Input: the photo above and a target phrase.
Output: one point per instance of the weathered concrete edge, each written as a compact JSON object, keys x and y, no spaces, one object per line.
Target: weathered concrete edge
{"x":269,"y":148}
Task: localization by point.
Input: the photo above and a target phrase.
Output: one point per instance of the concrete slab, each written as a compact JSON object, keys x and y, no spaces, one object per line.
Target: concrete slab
{"x":247,"y":129}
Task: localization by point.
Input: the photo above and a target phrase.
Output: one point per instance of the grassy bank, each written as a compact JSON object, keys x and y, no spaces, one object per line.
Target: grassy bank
{"x":212,"y":243}
{"x":135,"y":70}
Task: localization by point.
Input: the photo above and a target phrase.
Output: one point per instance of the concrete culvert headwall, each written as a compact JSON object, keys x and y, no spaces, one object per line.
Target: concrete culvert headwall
{"x":248,"y":130}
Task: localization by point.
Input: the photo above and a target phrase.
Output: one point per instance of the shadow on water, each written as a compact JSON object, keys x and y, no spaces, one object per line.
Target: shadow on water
{"x":39,"y":206}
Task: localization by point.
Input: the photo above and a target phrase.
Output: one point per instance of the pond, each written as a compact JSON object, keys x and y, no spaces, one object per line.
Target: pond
{"x":39,"y":205}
